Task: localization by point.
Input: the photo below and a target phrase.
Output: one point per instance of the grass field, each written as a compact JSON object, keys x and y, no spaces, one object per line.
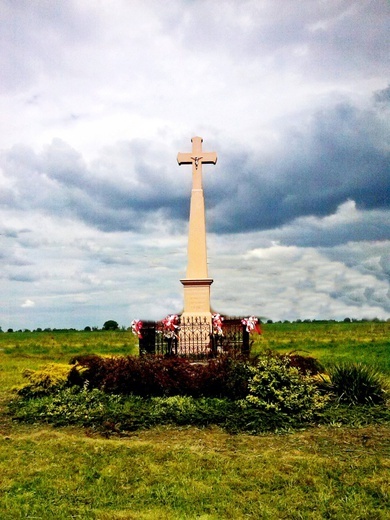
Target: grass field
{"x":171,"y":473}
{"x":364,"y":342}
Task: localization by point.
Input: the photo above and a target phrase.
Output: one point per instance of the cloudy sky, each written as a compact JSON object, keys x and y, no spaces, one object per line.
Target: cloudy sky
{"x":98,"y":97}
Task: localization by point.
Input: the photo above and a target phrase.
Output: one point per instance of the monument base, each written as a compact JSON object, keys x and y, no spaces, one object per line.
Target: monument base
{"x":197,"y":296}
{"x":196,"y":320}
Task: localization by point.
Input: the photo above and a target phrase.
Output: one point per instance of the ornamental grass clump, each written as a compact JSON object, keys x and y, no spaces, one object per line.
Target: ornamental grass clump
{"x":283,"y":393}
{"x":355,"y":383}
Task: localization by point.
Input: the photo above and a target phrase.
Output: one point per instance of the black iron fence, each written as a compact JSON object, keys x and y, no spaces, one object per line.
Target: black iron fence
{"x":195,"y":339}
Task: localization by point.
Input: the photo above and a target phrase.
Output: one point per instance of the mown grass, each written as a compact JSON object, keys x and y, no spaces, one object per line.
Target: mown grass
{"x":190,"y":473}
{"x":171,"y":473}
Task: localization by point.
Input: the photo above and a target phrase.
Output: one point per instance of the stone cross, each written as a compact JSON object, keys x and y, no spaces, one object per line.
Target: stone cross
{"x":197,"y":157}
{"x":197,"y":283}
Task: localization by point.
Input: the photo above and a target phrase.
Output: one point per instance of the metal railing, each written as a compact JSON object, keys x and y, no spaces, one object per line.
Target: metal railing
{"x":194,"y":339}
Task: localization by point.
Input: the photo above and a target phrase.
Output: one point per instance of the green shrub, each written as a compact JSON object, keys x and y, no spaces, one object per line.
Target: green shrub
{"x":71,"y":405}
{"x":109,"y":412}
{"x":49,"y":379}
{"x":127,"y":393}
{"x":355,"y":383}
{"x":114,"y":414}
{"x":282,"y":392}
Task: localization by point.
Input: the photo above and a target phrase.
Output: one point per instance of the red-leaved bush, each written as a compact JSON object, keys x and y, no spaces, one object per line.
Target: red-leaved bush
{"x":307,"y":365}
{"x":160,"y":376}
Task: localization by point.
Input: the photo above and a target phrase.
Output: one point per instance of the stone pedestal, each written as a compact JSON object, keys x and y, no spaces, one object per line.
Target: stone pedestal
{"x":196,"y":321}
{"x":197,"y":297}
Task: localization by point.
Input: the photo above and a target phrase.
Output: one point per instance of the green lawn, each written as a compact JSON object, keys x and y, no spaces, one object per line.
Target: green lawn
{"x":171,"y":473}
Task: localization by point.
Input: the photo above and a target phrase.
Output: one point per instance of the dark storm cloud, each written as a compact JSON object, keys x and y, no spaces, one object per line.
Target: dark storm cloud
{"x":305,"y":233}
{"x":340,"y":154}
{"x":361,"y":296}
{"x":349,"y":25}
{"x":119,"y":192}
{"x":334,"y":155}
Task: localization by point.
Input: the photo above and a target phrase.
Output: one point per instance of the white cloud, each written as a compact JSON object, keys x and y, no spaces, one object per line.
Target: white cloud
{"x":28,"y":303}
{"x":82,"y":276}
{"x":289,"y":282}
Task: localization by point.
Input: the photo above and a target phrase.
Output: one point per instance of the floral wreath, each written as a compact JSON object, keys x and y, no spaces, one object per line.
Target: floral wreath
{"x":136,"y":326}
{"x":217,"y":324}
{"x":170,"y":326}
{"x":251,"y":324}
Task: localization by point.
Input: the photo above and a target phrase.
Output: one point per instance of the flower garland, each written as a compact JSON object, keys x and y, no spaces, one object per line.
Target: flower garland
{"x":252,"y":324}
{"x":170,"y":326}
{"x":136,"y":326}
{"x":217,"y":324}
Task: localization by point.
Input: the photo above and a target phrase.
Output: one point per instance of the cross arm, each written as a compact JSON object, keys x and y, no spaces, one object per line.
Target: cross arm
{"x":209,"y":158}
{"x":205,"y":158}
{"x":184,"y":158}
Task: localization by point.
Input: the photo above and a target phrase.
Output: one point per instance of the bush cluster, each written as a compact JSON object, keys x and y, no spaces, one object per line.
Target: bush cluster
{"x":272,"y":392}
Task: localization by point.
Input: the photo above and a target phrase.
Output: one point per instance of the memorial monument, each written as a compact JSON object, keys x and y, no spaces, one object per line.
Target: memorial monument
{"x":196,"y":333}
{"x":197,"y":282}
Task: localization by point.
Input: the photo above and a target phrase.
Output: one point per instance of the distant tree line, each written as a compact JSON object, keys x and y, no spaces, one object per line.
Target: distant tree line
{"x":108,"y":325}
{"x":112,"y":325}
{"x":345,"y":320}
